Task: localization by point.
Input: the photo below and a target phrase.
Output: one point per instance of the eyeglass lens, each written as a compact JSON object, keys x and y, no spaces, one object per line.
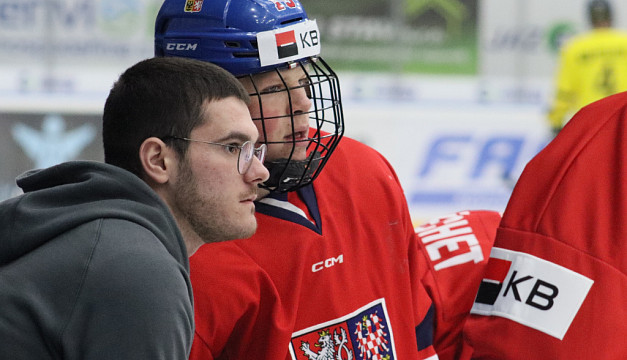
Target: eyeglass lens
{"x":246,"y":156}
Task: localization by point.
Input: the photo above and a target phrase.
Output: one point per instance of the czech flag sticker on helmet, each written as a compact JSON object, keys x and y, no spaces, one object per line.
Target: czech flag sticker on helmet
{"x":193,"y":5}
{"x":289,"y":43}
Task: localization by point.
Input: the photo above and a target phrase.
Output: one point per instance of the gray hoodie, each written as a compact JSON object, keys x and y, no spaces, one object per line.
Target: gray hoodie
{"x":92,"y":266}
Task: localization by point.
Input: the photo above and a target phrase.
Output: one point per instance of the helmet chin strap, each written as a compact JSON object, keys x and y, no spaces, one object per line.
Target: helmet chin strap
{"x":289,"y":175}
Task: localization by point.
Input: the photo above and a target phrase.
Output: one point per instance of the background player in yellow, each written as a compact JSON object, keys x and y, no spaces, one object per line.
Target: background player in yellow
{"x":592,"y":66}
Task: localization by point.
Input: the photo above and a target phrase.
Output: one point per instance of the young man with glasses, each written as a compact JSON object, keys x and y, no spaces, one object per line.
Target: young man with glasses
{"x":334,"y":270}
{"x":93,"y":260}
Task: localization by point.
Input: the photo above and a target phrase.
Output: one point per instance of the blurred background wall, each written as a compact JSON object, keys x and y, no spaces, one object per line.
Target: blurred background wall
{"x":452,"y":92}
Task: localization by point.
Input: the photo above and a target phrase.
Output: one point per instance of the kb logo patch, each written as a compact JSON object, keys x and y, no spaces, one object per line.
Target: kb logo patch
{"x":294,"y":42}
{"x":531,"y":291}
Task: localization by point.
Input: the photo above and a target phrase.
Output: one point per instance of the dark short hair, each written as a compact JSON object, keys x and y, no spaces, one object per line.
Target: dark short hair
{"x":599,"y":11}
{"x":160,"y":97}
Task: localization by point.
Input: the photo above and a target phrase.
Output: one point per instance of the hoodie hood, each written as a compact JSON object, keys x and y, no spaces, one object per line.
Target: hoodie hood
{"x":67,"y":195}
{"x":575,"y":190}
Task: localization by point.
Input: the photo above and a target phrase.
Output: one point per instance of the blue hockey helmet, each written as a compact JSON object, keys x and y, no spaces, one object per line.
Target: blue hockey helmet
{"x":251,"y":37}
{"x":223,"y":32}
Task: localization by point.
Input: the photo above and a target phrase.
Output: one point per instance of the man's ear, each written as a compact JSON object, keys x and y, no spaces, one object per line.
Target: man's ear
{"x":158,"y":161}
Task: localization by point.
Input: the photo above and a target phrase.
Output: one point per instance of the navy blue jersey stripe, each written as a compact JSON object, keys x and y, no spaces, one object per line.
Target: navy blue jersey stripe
{"x":309,"y":198}
{"x":424,"y":330}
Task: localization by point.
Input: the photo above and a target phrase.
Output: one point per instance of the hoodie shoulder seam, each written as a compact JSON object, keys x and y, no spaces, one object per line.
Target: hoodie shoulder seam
{"x":96,"y":241}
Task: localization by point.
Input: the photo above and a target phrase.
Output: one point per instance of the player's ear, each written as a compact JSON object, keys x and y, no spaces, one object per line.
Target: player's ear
{"x":157,"y":160}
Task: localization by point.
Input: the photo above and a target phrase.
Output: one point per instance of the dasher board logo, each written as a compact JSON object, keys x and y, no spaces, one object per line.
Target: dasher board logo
{"x":365,"y":334}
{"x":531,"y":291}
{"x":289,"y":43}
{"x":193,"y":5}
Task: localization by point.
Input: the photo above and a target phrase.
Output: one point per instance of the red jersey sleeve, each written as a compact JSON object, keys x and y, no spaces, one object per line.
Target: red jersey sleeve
{"x":455,"y":248}
{"x":555,"y":284}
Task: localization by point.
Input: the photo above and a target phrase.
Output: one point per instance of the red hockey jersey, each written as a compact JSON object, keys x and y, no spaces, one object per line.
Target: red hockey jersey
{"x":457,"y":248}
{"x":556,"y":283}
{"x":346,"y":283}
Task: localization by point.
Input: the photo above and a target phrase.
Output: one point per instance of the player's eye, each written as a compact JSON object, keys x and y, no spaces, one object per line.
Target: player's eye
{"x":272,"y":89}
{"x":304,"y":82}
{"x":232,"y":148}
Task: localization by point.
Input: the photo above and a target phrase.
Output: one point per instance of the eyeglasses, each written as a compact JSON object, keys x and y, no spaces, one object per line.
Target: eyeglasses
{"x":246,"y":151}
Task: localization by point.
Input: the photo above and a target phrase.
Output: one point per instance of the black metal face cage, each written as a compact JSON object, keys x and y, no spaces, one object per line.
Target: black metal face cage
{"x":326,"y":123}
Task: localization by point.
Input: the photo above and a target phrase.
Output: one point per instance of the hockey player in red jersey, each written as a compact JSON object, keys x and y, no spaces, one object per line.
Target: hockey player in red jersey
{"x":457,"y":248}
{"x":333,"y":271}
{"x":555,"y":286}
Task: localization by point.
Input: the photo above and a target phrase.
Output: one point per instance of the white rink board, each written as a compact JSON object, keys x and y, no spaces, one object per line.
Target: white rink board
{"x":451,"y":157}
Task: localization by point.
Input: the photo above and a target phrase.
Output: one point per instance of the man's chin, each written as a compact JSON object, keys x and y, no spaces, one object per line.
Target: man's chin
{"x":249,"y":232}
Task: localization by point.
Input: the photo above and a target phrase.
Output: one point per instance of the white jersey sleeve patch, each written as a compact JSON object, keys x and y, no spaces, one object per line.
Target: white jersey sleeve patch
{"x":531,"y":291}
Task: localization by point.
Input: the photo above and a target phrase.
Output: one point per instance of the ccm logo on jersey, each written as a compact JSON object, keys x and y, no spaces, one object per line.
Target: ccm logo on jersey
{"x":327,"y":263}
{"x":531,"y":291}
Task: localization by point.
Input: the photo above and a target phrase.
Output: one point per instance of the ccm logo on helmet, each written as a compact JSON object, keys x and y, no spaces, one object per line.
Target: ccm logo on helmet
{"x":181,"y":46}
{"x":531,"y":291}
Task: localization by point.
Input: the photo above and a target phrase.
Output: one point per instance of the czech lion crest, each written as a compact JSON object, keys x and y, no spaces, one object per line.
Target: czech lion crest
{"x":364,"y":334}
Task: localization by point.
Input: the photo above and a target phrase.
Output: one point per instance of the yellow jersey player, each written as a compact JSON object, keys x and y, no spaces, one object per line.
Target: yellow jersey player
{"x":592,"y":66}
